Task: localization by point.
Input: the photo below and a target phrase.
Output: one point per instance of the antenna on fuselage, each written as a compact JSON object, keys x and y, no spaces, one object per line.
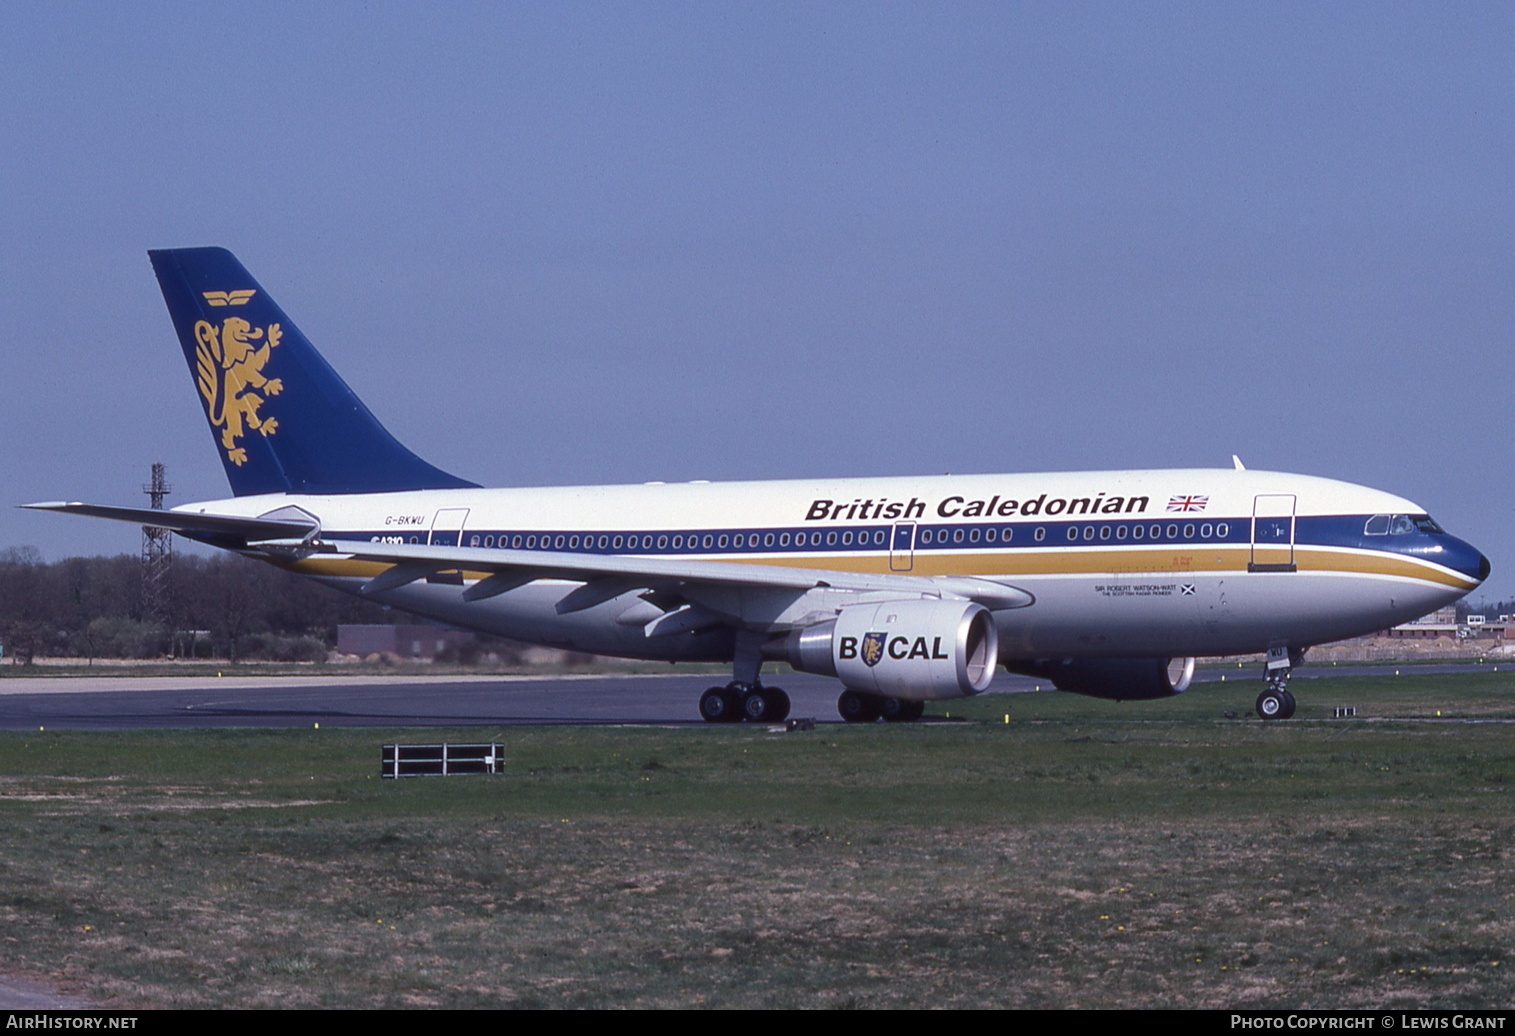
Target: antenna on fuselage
{"x":1237,"y":461}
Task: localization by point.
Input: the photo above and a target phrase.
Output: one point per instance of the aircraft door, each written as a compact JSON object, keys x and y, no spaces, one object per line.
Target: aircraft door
{"x":902,"y":547}
{"x":447,"y":527}
{"x":1272,"y":533}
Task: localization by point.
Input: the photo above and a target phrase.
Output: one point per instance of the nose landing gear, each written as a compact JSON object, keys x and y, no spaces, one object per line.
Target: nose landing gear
{"x":1276,"y":702}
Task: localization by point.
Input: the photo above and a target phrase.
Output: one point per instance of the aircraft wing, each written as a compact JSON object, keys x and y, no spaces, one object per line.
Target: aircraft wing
{"x":511,"y":568}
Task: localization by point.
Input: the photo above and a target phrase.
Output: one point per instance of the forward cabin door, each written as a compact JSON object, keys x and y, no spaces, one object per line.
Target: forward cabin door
{"x":902,"y":547}
{"x":447,"y":527}
{"x":1272,"y":533}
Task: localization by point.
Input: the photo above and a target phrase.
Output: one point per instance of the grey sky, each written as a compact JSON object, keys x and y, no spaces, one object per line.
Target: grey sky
{"x":559,"y":243}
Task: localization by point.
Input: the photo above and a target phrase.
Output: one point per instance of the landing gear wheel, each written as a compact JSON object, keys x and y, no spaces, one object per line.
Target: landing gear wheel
{"x":778,"y":705}
{"x":765,"y":705}
{"x":859,"y":708}
{"x":897,"y":710}
{"x":721,"y":705}
{"x":1273,"y":704}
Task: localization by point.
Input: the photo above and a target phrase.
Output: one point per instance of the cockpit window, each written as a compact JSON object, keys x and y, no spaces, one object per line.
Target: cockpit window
{"x":1399,"y":524}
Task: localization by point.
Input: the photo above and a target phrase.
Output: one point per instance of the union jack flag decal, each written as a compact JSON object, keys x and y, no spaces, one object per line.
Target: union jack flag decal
{"x":1187,"y":503}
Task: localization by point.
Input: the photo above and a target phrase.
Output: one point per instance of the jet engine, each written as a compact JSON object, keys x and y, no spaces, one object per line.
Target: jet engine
{"x":1119,"y":679}
{"x":910,"y":650}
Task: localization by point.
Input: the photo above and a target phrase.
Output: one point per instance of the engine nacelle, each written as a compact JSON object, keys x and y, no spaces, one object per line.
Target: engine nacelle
{"x":1119,"y":679}
{"x":913,"y":650}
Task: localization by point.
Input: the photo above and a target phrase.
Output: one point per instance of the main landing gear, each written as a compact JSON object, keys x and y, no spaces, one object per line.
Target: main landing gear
{"x":857,"y":707}
{"x":736,"y":702}
{"x":1276,"y":702}
{"x":745,"y":697}
{"x":758,"y":704}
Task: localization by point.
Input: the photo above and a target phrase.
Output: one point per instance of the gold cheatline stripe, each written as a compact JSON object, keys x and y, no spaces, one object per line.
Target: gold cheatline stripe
{"x":1043,"y":561}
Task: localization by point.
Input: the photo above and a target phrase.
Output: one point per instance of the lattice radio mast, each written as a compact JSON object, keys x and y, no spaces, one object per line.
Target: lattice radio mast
{"x":157,"y":556}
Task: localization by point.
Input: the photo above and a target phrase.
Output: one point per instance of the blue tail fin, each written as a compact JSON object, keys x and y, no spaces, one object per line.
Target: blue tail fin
{"x":283,"y":420}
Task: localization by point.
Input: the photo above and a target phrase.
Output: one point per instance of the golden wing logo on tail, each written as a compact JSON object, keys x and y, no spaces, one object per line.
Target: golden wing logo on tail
{"x":229,"y":363}
{"x":229,"y":298}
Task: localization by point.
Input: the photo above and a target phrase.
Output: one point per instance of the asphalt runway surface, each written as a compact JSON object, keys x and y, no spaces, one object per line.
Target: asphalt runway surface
{"x":124,"y":702}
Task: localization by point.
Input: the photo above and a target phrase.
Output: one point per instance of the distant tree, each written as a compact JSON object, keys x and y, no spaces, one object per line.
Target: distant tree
{"x":91,"y":607}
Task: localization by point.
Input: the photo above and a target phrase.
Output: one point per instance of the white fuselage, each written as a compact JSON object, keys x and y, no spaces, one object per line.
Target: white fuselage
{"x":1120,"y":563}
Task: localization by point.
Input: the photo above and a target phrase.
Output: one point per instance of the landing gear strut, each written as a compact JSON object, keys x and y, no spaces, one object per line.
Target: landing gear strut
{"x":745,"y":697}
{"x":1276,"y":702}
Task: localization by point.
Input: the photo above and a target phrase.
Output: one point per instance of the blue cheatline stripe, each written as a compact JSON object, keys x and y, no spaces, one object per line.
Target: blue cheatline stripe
{"x":1167,"y":531}
{"x":944,"y":536}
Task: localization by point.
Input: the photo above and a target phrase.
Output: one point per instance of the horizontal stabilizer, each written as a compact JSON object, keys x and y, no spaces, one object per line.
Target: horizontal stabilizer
{"x":219,"y":526}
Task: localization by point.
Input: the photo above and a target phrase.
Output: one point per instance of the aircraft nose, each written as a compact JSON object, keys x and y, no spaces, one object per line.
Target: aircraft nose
{"x":1469,"y":560}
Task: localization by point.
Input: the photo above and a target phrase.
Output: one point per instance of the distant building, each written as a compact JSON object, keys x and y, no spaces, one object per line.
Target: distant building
{"x":410,"y":641}
{"x":1444,"y":623}
{"x":1441,"y":617}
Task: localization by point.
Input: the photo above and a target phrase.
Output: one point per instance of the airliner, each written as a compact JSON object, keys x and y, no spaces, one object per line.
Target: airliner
{"x":907,"y":590}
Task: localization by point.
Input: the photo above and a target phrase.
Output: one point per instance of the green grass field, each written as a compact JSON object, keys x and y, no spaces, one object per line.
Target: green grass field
{"x":1084,"y":853}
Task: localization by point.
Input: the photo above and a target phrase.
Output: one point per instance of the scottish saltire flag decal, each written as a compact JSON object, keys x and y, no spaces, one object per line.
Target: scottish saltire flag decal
{"x":1187,"y":503}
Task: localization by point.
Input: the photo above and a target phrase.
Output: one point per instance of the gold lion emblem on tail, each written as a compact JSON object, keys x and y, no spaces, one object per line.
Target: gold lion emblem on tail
{"x":229,"y":363}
